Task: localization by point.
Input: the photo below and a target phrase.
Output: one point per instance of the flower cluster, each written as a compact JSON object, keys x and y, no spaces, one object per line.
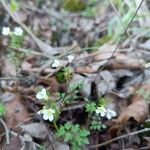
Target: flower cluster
{"x":48,"y":114}
{"x":56,"y":62}
{"x":105,"y":112}
{"x":17,"y":31}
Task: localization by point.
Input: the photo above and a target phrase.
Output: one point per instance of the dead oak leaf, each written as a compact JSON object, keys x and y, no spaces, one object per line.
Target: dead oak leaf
{"x":16,"y":112}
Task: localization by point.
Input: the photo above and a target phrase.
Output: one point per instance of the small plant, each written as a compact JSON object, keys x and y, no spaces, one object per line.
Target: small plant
{"x":90,"y":107}
{"x":2,"y":109}
{"x":16,"y":38}
{"x":97,"y":125}
{"x":50,"y":110}
{"x":73,"y":135}
{"x":64,"y":75}
{"x":71,"y":95}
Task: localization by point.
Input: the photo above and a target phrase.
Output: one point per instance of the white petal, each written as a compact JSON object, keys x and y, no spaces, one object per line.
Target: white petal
{"x":43,"y":91}
{"x":97,"y":111}
{"x":39,"y":112}
{"x":55,"y":64}
{"x":45,"y":117}
{"x":108,"y":116}
{"x":103,"y":114}
{"x":6,"y":31}
{"x":18,"y":31}
{"x":39,"y":96}
{"x":70,"y":58}
{"x":113,"y":114}
{"x":51,"y":117}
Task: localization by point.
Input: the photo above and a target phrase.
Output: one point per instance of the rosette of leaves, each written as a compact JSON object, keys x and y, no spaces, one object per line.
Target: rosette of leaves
{"x":74,"y":135}
{"x":64,"y":75}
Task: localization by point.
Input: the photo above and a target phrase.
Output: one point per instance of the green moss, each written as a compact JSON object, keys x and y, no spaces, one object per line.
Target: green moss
{"x":74,"y":5}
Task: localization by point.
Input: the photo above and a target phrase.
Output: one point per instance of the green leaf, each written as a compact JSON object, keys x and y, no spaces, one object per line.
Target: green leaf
{"x":75,"y":128}
{"x":60,"y":132}
{"x":68,"y":137}
{"x":2,"y":110}
{"x":85,"y":141}
{"x":84,"y":133}
{"x":90,"y":107}
{"x":13,"y":6}
{"x":68,"y":126}
{"x":79,"y":140}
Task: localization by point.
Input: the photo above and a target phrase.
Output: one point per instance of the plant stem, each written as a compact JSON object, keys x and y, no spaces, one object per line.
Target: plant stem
{"x":55,"y":125}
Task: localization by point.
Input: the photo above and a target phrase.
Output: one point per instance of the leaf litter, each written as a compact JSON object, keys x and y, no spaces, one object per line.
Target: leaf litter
{"x":53,"y":33}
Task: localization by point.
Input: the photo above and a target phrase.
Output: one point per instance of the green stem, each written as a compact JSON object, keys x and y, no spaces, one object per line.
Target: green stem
{"x":55,"y":125}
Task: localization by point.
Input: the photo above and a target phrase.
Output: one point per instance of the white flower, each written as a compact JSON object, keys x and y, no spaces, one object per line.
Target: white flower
{"x":55,"y":63}
{"x":18,"y":31}
{"x":110,"y":114}
{"x":42,"y":95}
{"x":101,"y":110}
{"x":70,"y":58}
{"x":147,"y":65}
{"x":48,"y":114}
{"x":6,"y":31}
{"x":105,"y":112}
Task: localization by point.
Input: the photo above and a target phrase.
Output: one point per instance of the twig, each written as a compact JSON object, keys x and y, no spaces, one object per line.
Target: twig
{"x":6,"y":130}
{"x":32,"y":52}
{"x":115,"y":10}
{"x":121,"y":38}
{"x":120,"y":137}
{"x":79,"y":105}
{"x":9,"y":78}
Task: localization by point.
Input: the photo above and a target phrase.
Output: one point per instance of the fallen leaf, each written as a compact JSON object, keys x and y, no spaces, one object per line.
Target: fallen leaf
{"x":137,"y":111}
{"x":35,"y":130}
{"x":16,"y":112}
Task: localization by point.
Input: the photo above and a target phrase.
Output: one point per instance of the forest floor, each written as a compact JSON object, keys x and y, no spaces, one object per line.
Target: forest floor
{"x":74,"y":75}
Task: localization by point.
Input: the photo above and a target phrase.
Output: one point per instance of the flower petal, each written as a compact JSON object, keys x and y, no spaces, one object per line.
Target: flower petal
{"x":45,"y":117}
{"x":97,"y":111}
{"x":103,"y":114}
{"x":108,"y":116}
{"x":51,"y":117}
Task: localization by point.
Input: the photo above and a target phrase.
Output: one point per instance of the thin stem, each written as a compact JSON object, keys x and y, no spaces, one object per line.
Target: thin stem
{"x":120,"y":137}
{"x":55,"y":125}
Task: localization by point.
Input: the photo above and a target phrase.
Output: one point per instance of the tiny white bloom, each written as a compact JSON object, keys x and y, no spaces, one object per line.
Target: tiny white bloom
{"x":147,"y":65}
{"x":101,"y":110}
{"x":6,"y":31}
{"x":48,"y":114}
{"x":55,"y":63}
{"x":70,"y":58}
{"x":105,"y":112}
{"x":42,"y":95}
{"x":18,"y":31}
{"x":110,"y":114}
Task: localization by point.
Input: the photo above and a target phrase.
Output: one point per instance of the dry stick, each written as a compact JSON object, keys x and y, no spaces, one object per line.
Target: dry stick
{"x":120,"y":137}
{"x":121,"y":38}
{"x":6,"y":130}
{"x":38,"y":41}
{"x":32,"y":52}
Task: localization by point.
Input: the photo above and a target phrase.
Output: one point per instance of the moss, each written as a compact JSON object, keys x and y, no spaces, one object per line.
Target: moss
{"x":74,"y":5}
